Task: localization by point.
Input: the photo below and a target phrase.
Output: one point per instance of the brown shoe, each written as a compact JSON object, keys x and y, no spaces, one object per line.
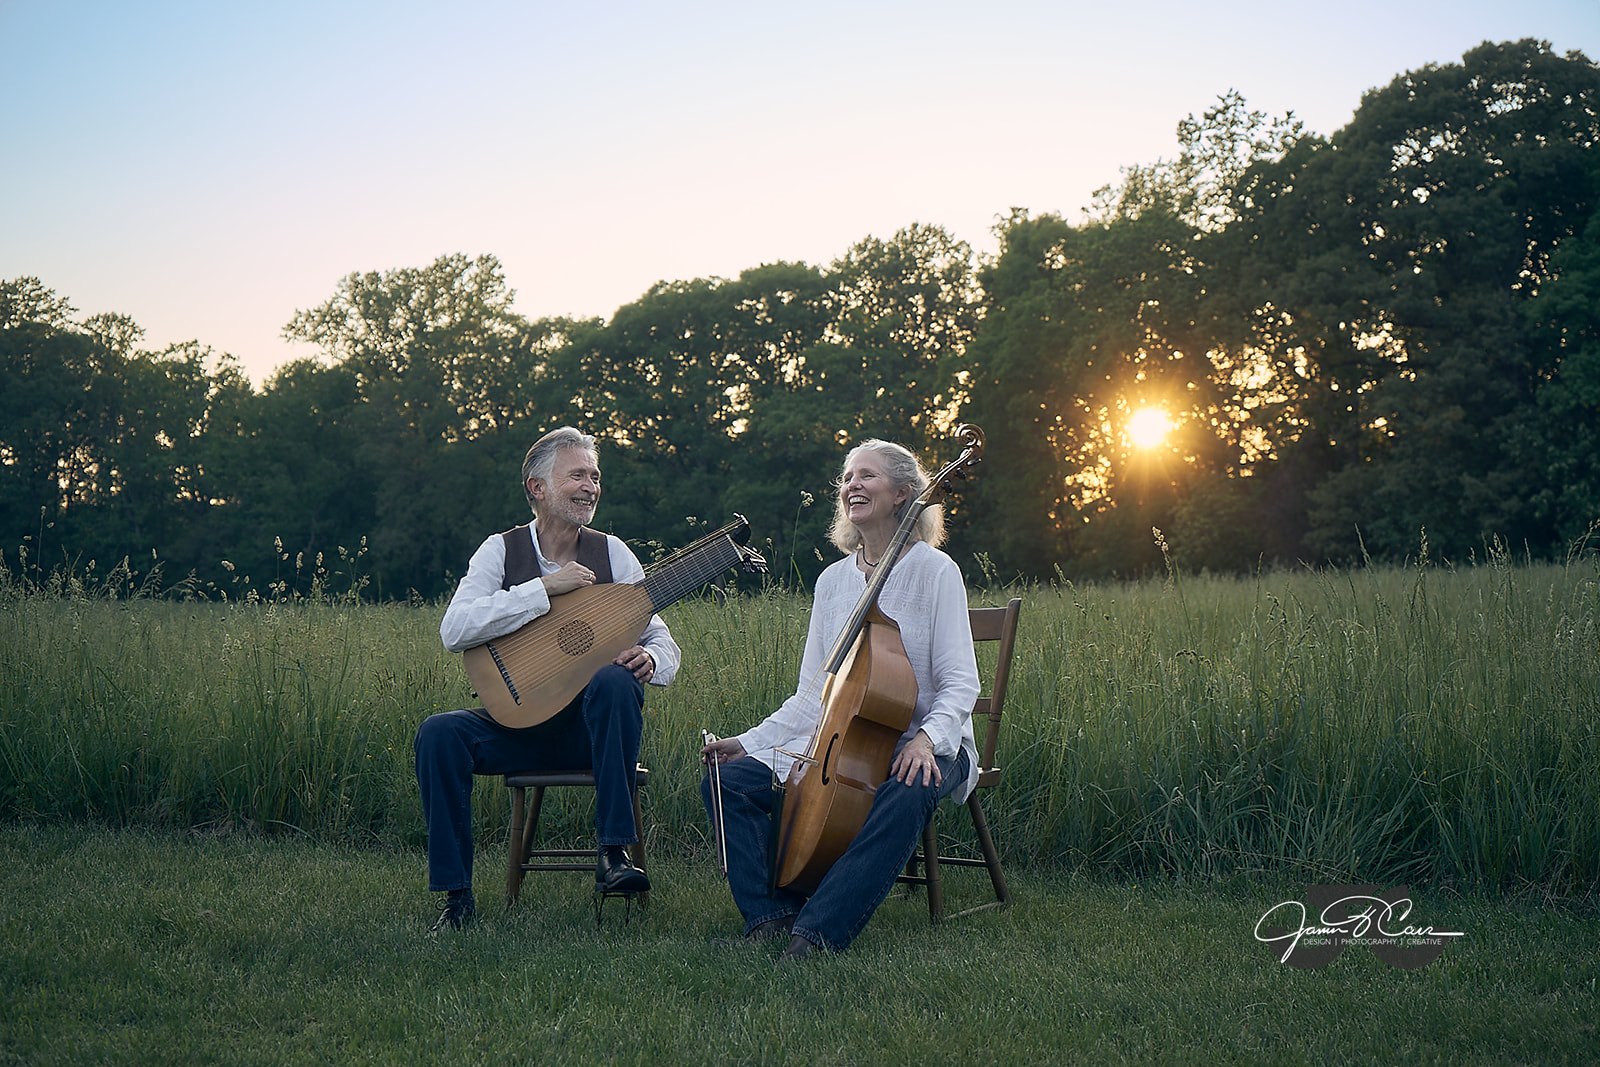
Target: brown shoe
{"x":799,"y":949}
{"x":771,"y":930}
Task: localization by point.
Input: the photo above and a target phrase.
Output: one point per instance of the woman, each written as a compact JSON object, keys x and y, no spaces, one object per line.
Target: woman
{"x":925,"y":596}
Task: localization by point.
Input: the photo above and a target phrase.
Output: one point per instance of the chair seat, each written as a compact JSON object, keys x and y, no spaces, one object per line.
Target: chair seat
{"x":532,"y":779}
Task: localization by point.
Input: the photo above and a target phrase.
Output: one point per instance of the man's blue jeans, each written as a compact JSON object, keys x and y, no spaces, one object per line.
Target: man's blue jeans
{"x":856,"y":884}
{"x":600,"y":731}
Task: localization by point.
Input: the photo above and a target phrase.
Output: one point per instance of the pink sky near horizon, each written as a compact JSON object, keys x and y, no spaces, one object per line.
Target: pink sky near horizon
{"x":210,"y":169}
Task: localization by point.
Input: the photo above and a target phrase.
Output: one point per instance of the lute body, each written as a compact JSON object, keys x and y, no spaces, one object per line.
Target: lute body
{"x":530,"y":674}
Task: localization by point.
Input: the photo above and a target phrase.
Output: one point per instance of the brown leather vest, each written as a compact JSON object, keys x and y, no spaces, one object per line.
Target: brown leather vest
{"x":523,"y":566}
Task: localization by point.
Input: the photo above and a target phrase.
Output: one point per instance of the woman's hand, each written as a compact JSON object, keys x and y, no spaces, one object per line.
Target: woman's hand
{"x":916,"y":758}
{"x":722,"y":750}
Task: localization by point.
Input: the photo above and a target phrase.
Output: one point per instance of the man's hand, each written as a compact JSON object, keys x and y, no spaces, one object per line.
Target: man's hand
{"x":640,"y":662}
{"x":571,"y":576}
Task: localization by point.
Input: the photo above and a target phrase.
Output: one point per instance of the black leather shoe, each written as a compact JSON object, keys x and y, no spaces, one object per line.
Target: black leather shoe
{"x":614,"y":872}
{"x":799,"y":948}
{"x":458,"y":910}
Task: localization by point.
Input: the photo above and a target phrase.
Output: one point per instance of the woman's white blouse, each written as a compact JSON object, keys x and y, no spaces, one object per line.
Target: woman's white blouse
{"x":927,"y":598}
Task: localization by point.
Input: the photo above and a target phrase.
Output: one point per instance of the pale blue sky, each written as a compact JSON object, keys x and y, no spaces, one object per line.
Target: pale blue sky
{"x":208,"y":168}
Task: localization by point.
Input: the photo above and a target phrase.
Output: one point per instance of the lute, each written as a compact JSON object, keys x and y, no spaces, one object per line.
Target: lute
{"x":530,"y":674}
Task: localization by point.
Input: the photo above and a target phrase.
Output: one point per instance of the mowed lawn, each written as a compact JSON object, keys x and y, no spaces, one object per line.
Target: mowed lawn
{"x":173,"y":947}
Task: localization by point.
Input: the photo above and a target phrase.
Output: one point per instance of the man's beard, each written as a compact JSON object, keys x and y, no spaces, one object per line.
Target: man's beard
{"x":577,"y":514}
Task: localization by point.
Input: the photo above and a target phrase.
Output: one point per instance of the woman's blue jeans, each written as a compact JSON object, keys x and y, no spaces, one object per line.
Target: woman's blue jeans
{"x":599,"y":731}
{"x":857,"y":882}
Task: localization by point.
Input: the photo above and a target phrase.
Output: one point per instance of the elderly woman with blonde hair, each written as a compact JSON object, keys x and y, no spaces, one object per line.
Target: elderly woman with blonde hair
{"x":927,"y":599}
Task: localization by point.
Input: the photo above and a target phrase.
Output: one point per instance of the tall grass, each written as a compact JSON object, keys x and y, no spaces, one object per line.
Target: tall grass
{"x":1384,"y":724}
{"x":1424,"y":724}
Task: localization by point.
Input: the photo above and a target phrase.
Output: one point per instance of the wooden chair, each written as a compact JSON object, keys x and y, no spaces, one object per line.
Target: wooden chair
{"x":525,"y":858}
{"x":988,"y":624}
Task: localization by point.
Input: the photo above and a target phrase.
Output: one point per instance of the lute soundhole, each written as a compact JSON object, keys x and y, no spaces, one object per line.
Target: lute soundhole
{"x":575,"y":638}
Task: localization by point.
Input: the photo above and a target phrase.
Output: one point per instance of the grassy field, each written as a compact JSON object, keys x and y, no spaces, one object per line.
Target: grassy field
{"x":140,"y":947}
{"x":212,"y":851}
{"x":1428,"y":725}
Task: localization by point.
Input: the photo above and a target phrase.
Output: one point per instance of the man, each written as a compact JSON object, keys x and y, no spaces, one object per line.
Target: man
{"x":509,"y":582}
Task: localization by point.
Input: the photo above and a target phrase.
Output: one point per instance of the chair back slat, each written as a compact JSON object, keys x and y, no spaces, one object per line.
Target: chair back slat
{"x":994,"y":624}
{"x":988,"y":624}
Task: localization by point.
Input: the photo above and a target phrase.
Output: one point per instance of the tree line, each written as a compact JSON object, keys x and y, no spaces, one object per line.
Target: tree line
{"x":1367,"y":345}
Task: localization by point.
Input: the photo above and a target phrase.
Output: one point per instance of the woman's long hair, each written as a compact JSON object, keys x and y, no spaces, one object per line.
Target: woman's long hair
{"x":903,"y":469}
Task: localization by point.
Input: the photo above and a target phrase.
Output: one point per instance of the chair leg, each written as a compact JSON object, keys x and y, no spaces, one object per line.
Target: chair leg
{"x":515,"y":850}
{"x":911,"y":868}
{"x":930,"y":859}
{"x":991,"y":856}
{"x":522,"y":846}
{"x":637,"y":849}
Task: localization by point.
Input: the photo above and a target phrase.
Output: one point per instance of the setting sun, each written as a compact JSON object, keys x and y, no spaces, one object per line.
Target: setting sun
{"x":1149,"y":427}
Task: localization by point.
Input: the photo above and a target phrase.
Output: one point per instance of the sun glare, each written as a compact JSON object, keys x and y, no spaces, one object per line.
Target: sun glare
{"x":1149,"y":427}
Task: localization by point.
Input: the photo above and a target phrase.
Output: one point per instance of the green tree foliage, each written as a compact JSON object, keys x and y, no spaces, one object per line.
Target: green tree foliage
{"x":1080,"y":324}
{"x":1558,"y":446}
{"x":427,"y":355}
{"x":45,"y":442}
{"x":296,"y":489}
{"x":723,"y":396}
{"x":681,"y":385}
{"x":1398,"y":264}
{"x":104,"y":449}
{"x":1355,"y":337}
{"x":1352,"y":338}
{"x":1089,"y":324}
{"x":901,"y":314}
